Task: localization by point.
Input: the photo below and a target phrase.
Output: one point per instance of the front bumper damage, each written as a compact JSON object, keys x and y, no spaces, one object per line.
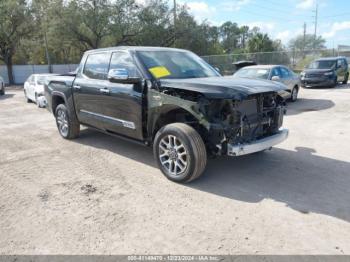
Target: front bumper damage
{"x":258,"y":145}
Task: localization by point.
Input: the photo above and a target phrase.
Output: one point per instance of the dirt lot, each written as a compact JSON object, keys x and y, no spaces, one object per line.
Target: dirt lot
{"x":102,"y":195}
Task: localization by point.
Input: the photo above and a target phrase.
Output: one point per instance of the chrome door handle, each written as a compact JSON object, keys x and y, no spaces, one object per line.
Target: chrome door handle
{"x":77,"y":87}
{"x":104,"y":90}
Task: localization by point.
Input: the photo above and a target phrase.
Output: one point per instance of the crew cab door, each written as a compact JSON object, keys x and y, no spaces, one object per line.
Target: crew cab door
{"x":123,"y":104}
{"x":89,"y":89}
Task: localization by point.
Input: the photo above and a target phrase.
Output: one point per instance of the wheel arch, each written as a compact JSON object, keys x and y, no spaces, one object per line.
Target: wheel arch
{"x":57,"y":99}
{"x":168,"y":114}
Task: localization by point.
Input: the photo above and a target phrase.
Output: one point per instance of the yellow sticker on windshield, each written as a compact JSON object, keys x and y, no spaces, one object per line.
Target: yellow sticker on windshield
{"x":159,"y":71}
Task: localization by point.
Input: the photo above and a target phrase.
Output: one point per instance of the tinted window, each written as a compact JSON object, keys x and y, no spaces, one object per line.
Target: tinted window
{"x":285,"y":72}
{"x":123,"y":60}
{"x":275,"y":72}
{"x":96,"y":66}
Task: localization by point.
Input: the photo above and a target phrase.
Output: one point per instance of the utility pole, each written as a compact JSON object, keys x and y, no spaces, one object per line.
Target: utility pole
{"x":316,"y":20}
{"x":304,"y":39}
{"x":47,"y":53}
{"x":175,"y":17}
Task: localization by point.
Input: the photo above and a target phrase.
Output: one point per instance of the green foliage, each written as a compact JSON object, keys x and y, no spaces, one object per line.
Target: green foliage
{"x":308,"y":42}
{"x":59,"y":31}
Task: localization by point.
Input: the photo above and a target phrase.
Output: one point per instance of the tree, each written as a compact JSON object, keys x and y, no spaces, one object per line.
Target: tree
{"x":87,"y":21}
{"x":230,"y":34}
{"x":260,"y":43}
{"x":15,"y":24}
{"x":299,"y":43}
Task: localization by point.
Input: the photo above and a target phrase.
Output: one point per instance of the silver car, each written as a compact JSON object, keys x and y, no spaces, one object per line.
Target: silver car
{"x":277,"y":73}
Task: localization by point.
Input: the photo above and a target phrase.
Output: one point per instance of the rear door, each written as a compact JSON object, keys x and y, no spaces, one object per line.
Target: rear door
{"x":90,"y":89}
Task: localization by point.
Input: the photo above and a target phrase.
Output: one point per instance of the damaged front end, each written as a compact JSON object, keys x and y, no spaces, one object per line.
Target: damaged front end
{"x":239,"y":127}
{"x":234,"y":126}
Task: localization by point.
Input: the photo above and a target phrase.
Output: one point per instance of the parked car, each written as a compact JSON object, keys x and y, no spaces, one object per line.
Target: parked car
{"x":240,"y":64}
{"x":276,"y":73}
{"x":169,"y":99}
{"x":2,"y":86}
{"x":34,"y":89}
{"x":325,"y":72}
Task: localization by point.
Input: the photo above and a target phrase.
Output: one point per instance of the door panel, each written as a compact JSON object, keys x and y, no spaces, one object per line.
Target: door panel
{"x":88,"y":90}
{"x":123,"y":104}
{"x":89,"y":101}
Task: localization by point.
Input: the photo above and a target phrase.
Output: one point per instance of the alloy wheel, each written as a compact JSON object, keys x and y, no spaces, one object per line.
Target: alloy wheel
{"x":173,"y":155}
{"x":62,"y":122}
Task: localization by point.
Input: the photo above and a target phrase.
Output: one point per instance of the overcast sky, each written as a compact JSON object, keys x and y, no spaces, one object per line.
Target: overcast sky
{"x":282,"y":19}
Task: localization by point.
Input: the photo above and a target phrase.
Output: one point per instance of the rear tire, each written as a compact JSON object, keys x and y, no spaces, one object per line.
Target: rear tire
{"x":346,"y":79}
{"x":2,"y":91}
{"x":68,"y":127}
{"x":180,"y":152}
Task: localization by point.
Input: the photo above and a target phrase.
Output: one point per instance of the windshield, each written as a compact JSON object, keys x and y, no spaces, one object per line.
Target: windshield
{"x":262,"y":73}
{"x":325,"y":64}
{"x":40,"y":80}
{"x":175,"y":64}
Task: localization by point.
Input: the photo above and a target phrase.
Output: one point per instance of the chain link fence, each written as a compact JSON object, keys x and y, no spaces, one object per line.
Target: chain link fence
{"x":22,"y":72}
{"x":296,"y":60}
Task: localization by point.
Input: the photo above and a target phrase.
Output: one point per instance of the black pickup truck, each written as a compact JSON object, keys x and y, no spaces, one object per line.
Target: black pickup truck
{"x":169,"y":99}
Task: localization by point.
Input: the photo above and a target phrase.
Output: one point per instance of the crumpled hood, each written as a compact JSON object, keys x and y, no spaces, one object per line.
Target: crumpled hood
{"x":224,"y":87}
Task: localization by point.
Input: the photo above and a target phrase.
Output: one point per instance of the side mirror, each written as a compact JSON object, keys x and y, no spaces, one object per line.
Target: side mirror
{"x":121,"y":75}
{"x":217,"y":69}
{"x":275,"y":78}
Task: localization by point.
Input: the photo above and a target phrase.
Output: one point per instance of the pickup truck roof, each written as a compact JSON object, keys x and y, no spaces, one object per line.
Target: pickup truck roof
{"x":135,"y":48}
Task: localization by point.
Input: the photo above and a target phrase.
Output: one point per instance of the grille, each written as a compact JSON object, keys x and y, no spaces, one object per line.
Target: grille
{"x":313,"y":75}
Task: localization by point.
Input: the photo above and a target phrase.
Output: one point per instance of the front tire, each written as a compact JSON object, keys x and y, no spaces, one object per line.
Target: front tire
{"x":2,"y":91}
{"x":294,"y":94}
{"x":180,"y":152}
{"x":68,"y":127}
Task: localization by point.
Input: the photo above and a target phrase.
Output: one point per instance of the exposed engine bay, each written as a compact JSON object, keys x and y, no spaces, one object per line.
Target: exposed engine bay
{"x":239,"y":122}
{"x":229,"y":121}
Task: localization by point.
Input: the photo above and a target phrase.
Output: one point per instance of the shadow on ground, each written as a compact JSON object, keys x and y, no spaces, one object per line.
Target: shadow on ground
{"x":303,"y":105}
{"x":6,"y":96}
{"x":300,"y":179}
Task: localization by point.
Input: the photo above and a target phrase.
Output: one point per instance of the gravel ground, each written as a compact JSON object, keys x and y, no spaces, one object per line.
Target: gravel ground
{"x":102,"y":195}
